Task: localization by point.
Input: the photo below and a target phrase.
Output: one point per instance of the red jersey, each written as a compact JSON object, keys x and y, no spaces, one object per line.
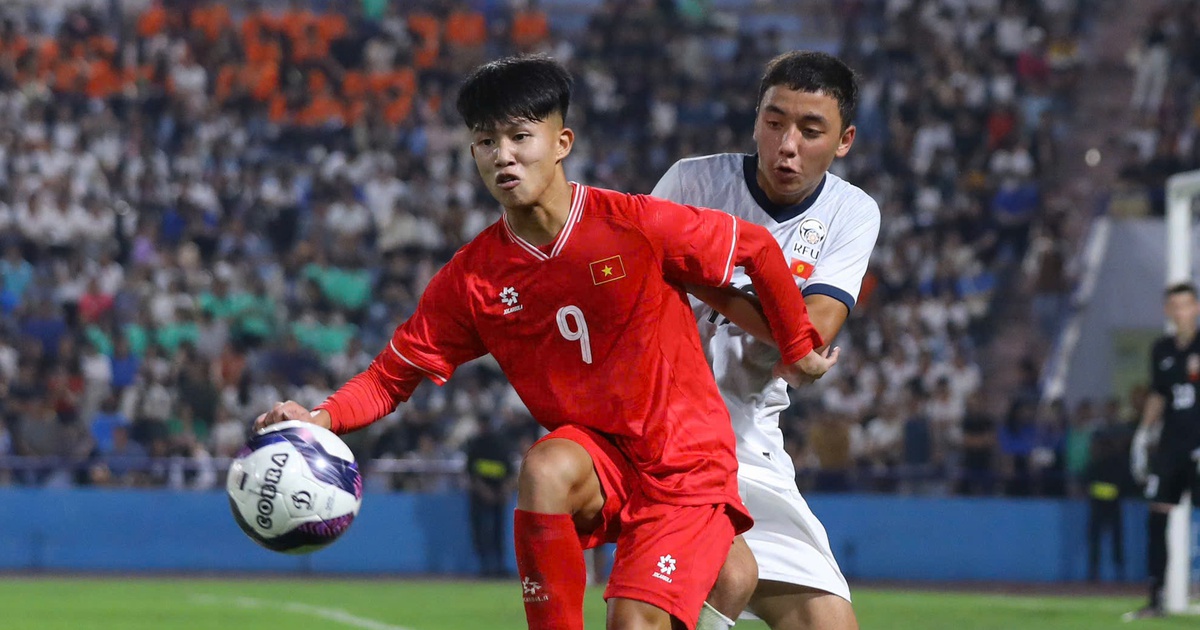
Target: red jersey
{"x":595,"y":330}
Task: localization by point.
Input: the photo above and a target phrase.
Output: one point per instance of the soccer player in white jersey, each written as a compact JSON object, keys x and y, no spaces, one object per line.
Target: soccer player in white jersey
{"x":827,"y":228}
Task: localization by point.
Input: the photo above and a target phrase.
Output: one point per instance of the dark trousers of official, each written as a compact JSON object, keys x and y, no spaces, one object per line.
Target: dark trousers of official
{"x":1104,"y":516}
{"x":487,"y":529}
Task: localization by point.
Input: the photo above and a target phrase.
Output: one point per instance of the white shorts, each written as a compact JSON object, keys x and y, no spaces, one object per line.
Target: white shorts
{"x":788,"y":541}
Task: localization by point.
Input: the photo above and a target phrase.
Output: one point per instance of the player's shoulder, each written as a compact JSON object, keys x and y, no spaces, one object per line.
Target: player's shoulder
{"x":605,"y":202}
{"x":849,"y":198}
{"x":1164,"y":345}
{"x":711,"y":165}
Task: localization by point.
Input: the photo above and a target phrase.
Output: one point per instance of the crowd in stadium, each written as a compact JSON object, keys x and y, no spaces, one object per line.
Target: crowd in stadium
{"x":208,"y":207}
{"x":1163,"y":137}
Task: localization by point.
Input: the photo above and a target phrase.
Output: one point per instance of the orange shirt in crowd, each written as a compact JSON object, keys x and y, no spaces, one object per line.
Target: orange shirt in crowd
{"x":103,"y":80}
{"x":466,"y":29}
{"x":211,"y":20}
{"x":403,"y":80}
{"x":295,"y":23}
{"x":323,"y":109}
{"x":530,"y":28}
{"x":310,"y":48}
{"x":428,"y":29}
{"x":332,"y":26}
{"x":398,"y":110}
{"x":152,"y":21}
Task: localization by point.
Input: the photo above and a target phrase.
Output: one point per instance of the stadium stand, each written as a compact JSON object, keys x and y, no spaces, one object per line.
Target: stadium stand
{"x":206,"y":207}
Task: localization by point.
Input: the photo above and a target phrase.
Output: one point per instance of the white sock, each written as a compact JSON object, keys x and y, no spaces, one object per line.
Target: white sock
{"x":712,"y":619}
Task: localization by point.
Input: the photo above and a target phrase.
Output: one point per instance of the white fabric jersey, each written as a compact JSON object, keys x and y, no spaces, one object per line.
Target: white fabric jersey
{"x":827,"y":240}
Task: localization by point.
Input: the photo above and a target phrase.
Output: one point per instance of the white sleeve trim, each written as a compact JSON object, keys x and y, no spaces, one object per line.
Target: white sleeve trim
{"x":436,"y":378}
{"x":725,"y":279}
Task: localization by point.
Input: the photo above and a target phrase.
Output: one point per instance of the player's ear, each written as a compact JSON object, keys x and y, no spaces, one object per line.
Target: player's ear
{"x":846,"y":141}
{"x":566,"y":140}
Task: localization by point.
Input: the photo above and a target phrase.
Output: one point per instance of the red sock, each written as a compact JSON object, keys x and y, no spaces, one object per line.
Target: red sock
{"x":553,"y":574}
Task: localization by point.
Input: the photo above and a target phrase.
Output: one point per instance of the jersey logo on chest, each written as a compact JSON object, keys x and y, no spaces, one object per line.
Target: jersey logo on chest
{"x":607,"y":270}
{"x":509,"y":297}
{"x":810,"y":234}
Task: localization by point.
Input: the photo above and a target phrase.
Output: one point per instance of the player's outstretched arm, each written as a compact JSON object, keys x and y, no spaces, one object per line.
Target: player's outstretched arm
{"x":430,"y":344}
{"x":367,"y":397}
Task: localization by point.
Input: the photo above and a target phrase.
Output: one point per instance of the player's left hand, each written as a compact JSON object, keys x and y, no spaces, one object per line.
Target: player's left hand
{"x":807,"y":370}
{"x":291,"y":410}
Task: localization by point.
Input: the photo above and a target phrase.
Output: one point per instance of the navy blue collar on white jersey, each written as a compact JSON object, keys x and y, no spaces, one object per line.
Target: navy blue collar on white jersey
{"x":777,"y":212}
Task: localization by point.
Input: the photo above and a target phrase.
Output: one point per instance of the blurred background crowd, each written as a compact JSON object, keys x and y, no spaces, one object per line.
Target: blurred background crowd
{"x":207,"y":207}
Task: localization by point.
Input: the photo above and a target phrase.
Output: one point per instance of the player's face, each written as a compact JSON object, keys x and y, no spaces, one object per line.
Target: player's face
{"x":798,"y":135}
{"x":1183,"y":309}
{"x":519,"y":159}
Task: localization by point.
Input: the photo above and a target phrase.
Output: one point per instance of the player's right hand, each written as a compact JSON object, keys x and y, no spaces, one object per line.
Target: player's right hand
{"x":807,"y":370}
{"x":291,"y":410}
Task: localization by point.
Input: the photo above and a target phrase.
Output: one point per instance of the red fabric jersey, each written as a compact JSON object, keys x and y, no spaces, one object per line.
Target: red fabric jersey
{"x":595,"y":330}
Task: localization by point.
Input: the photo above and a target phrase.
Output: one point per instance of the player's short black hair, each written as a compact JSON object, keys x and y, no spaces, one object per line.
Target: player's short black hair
{"x":812,"y":71}
{"x":522,"y":87}
{"x":1180,"y":288}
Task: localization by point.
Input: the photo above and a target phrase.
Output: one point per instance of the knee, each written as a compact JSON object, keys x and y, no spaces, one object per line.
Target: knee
{"x":736,"y":581}
{"x":740,"y":572}
{"x":626,"y":614}
{"x":553,"y":475}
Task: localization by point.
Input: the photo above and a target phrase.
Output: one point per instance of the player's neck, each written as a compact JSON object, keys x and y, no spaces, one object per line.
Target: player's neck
{"x":539,"y":223}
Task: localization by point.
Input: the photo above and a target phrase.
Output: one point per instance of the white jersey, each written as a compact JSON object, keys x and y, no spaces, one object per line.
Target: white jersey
{"x":827,"y":240}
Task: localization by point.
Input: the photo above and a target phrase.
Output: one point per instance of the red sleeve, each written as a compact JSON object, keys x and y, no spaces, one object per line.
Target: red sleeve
{"x":702,"y":246}
{"x":431,"y":344}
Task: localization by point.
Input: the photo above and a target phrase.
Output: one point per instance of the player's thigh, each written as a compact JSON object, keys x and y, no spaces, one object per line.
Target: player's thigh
{"x":668,"y":556}
{"x":736,"y":581}
{"x":631,"y":614}
{"x":577,"y":471}
{"x":786,"y":606}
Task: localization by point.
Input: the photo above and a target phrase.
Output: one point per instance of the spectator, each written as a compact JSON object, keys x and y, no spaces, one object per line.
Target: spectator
{"x":123,"y":463}
{"x":1018,"y":438}
{"x":1153,"y":64}
{"x":492,"y":480}
{"x":1108,"y":480}
{"x":979,"y":449}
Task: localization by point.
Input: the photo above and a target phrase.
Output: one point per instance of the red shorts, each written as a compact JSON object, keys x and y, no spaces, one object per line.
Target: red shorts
{"x":667,"y":555}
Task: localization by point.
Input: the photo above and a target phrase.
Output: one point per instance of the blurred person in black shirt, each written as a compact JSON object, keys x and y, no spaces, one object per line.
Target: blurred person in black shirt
{"x":492,"y":481}
{"x":978,"y":449}
{"x":1171,"y":412}
{"x":1107,"y":480}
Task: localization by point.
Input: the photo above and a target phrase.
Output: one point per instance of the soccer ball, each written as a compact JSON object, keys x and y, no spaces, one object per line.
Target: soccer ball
{"x":294,"y":487}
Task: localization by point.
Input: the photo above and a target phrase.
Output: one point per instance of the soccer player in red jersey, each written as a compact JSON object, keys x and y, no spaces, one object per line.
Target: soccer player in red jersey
{"x":577,"y":293}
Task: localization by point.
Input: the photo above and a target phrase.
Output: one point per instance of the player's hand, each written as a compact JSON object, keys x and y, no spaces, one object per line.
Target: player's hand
{"x":292,"y":410}
{"x":807,"y":370}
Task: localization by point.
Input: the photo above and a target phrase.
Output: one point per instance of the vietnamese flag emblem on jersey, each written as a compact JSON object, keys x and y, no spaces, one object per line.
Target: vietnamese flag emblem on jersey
{"x":607,"y":270}
{"x":801,"y":269}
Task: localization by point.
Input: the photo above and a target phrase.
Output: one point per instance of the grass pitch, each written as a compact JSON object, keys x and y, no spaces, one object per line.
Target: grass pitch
{"x":37,"y":603}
